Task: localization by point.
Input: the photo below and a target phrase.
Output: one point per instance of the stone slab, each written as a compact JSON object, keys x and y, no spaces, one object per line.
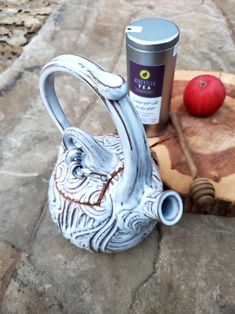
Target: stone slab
{"x":30,"y":292}
{"x":64,"y":278}
{"x":19,"y":22}
{"x":195,"y":269}
{"x":9,"y":257}
{"x":53,"y":276}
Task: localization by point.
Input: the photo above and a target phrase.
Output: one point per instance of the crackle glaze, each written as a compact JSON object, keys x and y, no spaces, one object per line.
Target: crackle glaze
{"x":105,"y":192}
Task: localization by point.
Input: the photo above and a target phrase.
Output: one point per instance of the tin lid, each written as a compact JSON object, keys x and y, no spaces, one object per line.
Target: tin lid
{"x":152,"y":34}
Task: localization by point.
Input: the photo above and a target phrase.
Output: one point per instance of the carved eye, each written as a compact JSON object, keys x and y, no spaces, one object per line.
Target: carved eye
{"x":75,"y":155}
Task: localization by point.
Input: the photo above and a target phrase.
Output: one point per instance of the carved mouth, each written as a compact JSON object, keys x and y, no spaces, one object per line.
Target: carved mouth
{"x":77,"y":194}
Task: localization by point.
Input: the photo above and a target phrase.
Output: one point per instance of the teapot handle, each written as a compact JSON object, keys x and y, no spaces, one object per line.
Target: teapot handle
{"x":112,"y":89}
{"x":105,"y":84}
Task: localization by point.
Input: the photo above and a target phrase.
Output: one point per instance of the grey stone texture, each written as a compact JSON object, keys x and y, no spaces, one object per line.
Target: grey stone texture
{"x":194,"y":272}
{"x":185,"y":269}
{"x":19,"y":21}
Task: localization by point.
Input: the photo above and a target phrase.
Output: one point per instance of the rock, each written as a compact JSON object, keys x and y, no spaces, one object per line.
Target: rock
{"x":9,"y":258}
{"x":19,"y":20}
{"x":34,"y":288}
{"x":195,"y":270}
{"x":4,"y":31}
{"x":191,"y":269}
{"x":70,"y":280}
{"x":16,"y":39}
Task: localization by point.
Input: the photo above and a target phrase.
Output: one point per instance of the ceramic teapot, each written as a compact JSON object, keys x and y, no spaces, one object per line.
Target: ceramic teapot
{"x":105,"y":192}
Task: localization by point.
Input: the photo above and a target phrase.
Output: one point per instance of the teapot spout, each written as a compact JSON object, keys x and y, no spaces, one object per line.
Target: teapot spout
{"x":167,"y":208}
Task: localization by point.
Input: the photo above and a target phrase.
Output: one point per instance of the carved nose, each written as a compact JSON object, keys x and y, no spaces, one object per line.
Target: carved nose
{"x":170,"y":208}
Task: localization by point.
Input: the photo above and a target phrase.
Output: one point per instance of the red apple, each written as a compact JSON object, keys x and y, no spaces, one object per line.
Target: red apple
{"x":204,"y":95}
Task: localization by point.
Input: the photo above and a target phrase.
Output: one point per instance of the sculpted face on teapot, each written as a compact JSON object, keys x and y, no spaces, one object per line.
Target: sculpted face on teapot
{"x":105,"y":192}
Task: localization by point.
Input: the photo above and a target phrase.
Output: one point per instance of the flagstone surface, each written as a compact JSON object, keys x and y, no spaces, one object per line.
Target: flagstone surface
{"x":185,"y":269}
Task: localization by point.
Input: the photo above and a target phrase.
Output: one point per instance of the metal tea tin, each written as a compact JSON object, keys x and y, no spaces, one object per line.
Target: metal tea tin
{"x":151,"y":46}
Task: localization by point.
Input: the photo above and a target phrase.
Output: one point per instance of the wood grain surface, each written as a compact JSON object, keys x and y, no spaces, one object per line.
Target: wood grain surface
{"x":211,"y":141}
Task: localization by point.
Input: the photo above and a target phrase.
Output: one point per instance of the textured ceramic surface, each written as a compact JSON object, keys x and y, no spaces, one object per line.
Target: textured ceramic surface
{"x":105,"y":192}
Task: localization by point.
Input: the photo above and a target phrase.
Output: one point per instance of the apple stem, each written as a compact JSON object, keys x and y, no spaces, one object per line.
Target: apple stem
{"x":203,"y":84}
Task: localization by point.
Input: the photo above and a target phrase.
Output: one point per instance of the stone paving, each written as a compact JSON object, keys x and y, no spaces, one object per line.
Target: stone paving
{"x":19,"y":22}
{"x":189,"y":268}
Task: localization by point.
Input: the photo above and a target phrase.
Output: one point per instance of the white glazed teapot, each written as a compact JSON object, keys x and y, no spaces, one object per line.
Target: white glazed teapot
{"x":105,"y":192}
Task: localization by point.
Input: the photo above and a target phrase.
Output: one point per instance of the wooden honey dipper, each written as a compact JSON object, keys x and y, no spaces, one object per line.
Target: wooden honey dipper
{"x":201,"y":190}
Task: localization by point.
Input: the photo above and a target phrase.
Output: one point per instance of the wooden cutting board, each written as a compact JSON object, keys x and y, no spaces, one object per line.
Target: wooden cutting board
{"x":211,"y":141}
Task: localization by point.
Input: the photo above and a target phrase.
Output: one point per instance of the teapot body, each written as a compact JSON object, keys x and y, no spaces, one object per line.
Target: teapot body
{"x":105,"y":193}
{"x":82,"y":203}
